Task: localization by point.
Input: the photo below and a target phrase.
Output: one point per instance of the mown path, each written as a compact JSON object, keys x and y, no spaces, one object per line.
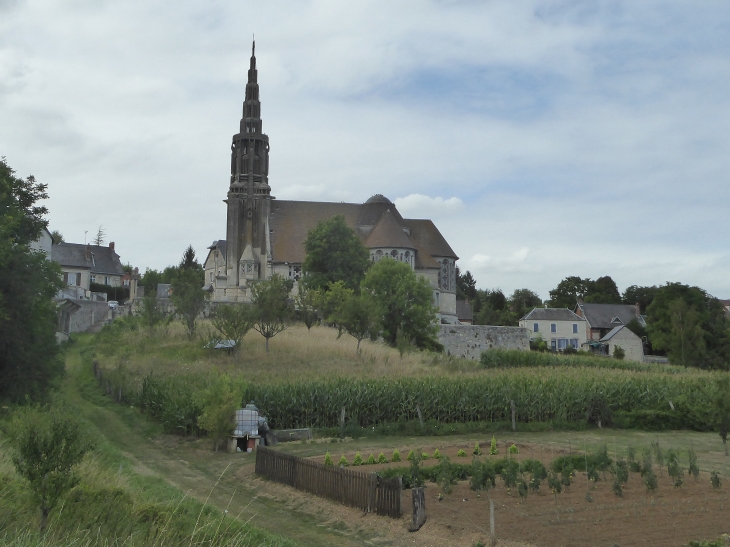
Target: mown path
{"x":195,"y":470}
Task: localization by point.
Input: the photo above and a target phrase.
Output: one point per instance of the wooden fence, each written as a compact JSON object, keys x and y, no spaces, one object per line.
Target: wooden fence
{"x":365,"y":491}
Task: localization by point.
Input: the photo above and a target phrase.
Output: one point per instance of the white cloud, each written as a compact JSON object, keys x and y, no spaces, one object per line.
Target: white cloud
{"x":420,"y":206}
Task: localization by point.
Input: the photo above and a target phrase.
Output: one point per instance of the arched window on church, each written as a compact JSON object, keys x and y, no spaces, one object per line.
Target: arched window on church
{"x":394,"y":254}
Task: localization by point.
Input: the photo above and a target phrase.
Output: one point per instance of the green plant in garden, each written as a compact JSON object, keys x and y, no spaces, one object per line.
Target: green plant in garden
{"x":328,"y":459}
{"x":48,"y":446}
{"x":554,"y":483}
{"x":510,"y":472}
{"x":411,"y":456}
{"x":371,"y":460}
{"x":513,"y":449}
{"x":493,"y":447}
{"x":634,"y":465}
{"x":522,"y":488}
{"x":382,"y":458}
{"x":437,"y":454}
{"x":715,"y":479}
{"x":424,"y":456}
{"x":617,"y":488}
{"x":358,"y":459}
{"x":482,"y":475}
{"x":647,"y":471}
{"x":658,"y":456}
{"x":694,"y":469}
{"x":477,"y":450}
{"x":415,"y":472}
{"x":461,"y":453}
{"x":673,"y":468}
{"x":592,"y":474}
{"x":446,"y":477}
{"x":621,"y":470}
{"x":396,"y":456}
{"x":343,"y":461}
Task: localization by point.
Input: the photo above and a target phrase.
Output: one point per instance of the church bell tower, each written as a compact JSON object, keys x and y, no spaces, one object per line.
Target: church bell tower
{"x":249,"y":194}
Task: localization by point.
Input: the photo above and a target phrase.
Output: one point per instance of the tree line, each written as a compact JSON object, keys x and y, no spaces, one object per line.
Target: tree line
{"x":683,"y":322}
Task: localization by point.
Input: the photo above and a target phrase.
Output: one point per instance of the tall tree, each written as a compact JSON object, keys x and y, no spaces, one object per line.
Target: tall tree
{"x":100,"y":236}
{"x":603,"y":291}
{"x":188,"y":259}
{"x":644,"y":296}
{"x":404,"y":301}
{"x":687,"y":344}
{"x":663,"y":322}
{"x":57,"y":237}
{"x":568,"y":291}
{"x":334,"y":253}
{"x":233,"y":321}
{"x":271,"y":308}
{"x":522,"y":301}
{"x":188,"y":297}
{"x":29,"y":362}
{"x":466,"y":286}
{"x":358,"y":316}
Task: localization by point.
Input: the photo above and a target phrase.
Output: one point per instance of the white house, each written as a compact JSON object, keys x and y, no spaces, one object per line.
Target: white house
{"x":559,"y":327}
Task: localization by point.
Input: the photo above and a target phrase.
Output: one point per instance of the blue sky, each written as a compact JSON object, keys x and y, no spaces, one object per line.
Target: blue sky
{"x":545,"y":139}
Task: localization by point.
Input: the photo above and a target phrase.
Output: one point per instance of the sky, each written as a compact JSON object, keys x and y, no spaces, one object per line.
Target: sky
{"x":544,"y":138}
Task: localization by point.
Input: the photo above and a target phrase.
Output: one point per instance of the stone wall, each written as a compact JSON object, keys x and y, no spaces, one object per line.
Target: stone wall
{"x":90,"y":313}
{"x":469,"y":341}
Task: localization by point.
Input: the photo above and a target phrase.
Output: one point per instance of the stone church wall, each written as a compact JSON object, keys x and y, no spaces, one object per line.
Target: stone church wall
{"x":469,"y":341}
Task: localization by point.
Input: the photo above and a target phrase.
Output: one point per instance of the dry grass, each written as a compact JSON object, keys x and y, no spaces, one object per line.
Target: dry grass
{"x":294,"y":354}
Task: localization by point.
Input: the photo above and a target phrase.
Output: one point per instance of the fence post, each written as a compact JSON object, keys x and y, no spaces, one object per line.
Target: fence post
{"x":493,"y":537}
{"x":514,"y":422}
{"x":419,"y":509}
{"x":372,"y":487}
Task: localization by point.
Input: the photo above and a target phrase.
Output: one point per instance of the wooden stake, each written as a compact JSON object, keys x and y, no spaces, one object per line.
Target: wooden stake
{"x":493,"y":537}
{"x":514,"y":422}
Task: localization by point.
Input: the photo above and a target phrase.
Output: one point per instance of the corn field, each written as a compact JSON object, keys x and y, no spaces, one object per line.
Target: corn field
{"x":540,"y":395}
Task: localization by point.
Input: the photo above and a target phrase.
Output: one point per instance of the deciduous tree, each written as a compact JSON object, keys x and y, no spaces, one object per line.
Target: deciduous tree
{"x":358,"y":316}
{"x":233,"y":321}
{"x":271,"y":308}
{"x":404,"y":301}
{"x":334,"y":253}
{"x":188,"y":297}
{"x":29,"y":362}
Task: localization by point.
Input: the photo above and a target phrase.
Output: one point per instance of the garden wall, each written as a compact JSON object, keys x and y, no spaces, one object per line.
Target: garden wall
{"x":469,"y":341}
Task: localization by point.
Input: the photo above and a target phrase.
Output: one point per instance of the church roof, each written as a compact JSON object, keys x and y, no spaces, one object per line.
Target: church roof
{"x":388,"y":233}
{"x":291,"y":221}
{"x":427,"y":237}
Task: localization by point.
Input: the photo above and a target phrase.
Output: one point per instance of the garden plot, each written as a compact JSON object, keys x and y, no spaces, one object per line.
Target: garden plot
{"x":587,"y":512}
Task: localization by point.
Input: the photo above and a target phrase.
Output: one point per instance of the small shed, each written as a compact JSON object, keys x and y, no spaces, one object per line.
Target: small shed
{"x":622,"y":337}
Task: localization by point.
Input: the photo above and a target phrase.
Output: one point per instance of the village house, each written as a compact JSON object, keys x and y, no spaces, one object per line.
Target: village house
{"x":559,"y":327}
{"x":603,"y":318}
{"x":265,"y":236}
{"x":82,"y":265}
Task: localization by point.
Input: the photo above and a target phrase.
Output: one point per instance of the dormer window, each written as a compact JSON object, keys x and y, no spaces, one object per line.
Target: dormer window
{"x":617,"y":321}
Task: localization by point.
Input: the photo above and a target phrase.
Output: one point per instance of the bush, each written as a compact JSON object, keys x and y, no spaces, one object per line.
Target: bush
{"x":371,"y":460}
{"x":357,"y":460}
{"x":343,"y":461}
{"x":219,"y":403}
{"x":48,"y":446}
{"x":396,"y":456}
{"x":328,"y":460}
{"x":382,"y":458}
{"x":619,"y":353}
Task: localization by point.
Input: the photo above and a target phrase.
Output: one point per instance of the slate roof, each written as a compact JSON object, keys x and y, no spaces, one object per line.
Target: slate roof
{"x":221,"y":245}
{"x":552,"y":314}
{"x":607,"y":316}
{"x":102,"y":260}
{"x":377,"y":222}
{"x":388,"y":233}
{"x":614,"y":331}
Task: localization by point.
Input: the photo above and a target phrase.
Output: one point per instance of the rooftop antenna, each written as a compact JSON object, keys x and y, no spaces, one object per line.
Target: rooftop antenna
{"x":85,"y":232}
{"x":253,"y":49}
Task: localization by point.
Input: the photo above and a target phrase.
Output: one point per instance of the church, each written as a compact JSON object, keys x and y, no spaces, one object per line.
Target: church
{"x":265,"y":236}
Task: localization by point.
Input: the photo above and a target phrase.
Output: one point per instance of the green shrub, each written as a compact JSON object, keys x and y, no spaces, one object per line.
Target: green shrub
{"x":424,"y":456}
{"x":48,"y":445}
{"x":477,"y":450}
{"x":343,"y":461}
{"x":328,"y":459}
{"x":461,"y":453}
{"x":513,"y":449}
{"x":358,"y":459}
{"x":437,"y":454}
{"x":411,"y":456}
{"x":396,"y":456}
{"x":371,"y":460}
{"x":493,"y":451}
{"x":382,"y":458}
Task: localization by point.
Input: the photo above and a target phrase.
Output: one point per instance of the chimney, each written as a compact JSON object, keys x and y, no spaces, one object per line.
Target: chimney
{"x":87,"y":253}
{"x":638,"y":309}
{"x":111,"y":245}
